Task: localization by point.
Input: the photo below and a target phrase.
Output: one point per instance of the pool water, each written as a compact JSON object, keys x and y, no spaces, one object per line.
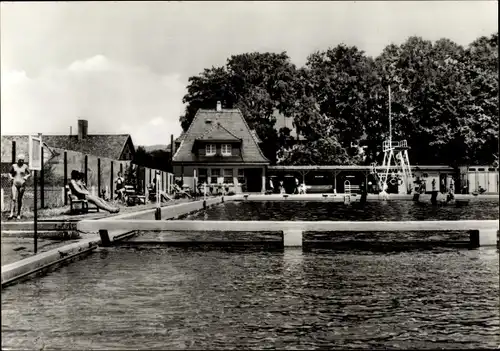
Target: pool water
{"x":170,"y":298}
{"x":334,"y":211}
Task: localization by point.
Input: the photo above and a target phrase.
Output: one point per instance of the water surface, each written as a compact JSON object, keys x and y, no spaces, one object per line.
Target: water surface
{"x":226,"y":299}
{"x":335,"y":211}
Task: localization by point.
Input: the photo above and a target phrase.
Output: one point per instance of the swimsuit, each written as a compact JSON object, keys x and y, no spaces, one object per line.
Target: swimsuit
{"x":18,"y":184}
{"x":78,"y":195}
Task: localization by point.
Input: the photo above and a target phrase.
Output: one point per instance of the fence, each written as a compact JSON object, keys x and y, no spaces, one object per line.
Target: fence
{"x":99,"y":174}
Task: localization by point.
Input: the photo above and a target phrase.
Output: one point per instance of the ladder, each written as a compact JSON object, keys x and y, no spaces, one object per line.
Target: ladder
{"x":347,"y":192}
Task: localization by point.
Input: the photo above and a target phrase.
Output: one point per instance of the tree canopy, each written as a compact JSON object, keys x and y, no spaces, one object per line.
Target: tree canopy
{"x":444,"y":101}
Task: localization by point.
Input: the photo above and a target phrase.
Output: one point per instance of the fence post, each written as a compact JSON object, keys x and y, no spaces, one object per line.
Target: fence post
{"x":86,"y":168}
{"x":13,"y":151}
{"x":42,"y":185}
{"x":65,"y":177}
{"x":111,"y":183}
{"x":98,"y":177}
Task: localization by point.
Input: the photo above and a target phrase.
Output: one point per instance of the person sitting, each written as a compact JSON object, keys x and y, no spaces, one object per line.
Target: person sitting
{"x":120,"y":186}
{"x":80,"y":191}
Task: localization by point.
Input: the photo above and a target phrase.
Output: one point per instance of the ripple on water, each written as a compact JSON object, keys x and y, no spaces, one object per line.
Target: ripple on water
{"x":191,"y":299}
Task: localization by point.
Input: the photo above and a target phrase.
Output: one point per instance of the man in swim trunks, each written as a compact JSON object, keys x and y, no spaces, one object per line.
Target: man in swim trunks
{"x":19,"y":174}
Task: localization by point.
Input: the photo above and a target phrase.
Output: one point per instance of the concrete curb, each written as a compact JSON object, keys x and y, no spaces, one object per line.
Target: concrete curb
{"x":339,"y":197}
{"x":48,"y":234}
{"x":16,"y":271}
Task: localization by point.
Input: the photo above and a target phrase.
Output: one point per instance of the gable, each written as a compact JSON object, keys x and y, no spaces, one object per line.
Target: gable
{"x":232,"y":123}
{"x":128,"y":151}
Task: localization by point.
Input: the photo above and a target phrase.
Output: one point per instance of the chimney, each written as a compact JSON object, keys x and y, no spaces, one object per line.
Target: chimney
{"x":82,"y":128}
{"x":70,"y":131}
{"x":219,"y":106}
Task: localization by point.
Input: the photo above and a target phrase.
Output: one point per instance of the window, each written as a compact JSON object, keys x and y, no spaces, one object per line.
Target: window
{"x":202,"y":175}
{"x":215,"y":173}
{"x":226,"y":150}
{"x":241,"y":176}
{"x":480,"y":169}
{"x":228,"y":176}
{"x":210,"y":149}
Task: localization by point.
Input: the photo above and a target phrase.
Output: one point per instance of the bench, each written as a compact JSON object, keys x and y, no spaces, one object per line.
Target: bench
{"x":73,"y":200}
{"x":131,"y":198}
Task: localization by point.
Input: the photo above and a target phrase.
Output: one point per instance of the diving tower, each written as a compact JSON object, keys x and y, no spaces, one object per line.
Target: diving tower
{"x":396,"y":168}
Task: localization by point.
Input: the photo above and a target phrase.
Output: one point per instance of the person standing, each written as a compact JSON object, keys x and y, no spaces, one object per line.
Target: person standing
{"x":19,"y":174}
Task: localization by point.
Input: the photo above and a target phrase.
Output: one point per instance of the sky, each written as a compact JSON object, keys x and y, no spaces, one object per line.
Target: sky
{"x":124,"y":66}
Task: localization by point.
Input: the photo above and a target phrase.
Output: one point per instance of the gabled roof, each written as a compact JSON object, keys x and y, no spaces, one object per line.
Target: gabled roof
{"x":255,"y":136}
{"x":101,"y":145}
{"x":218,"y":133}
{"x":232,"y":121}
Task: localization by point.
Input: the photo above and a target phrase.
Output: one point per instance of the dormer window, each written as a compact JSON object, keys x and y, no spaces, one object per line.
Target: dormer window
{"x":226,"y":150}
{"x":210,"y":150}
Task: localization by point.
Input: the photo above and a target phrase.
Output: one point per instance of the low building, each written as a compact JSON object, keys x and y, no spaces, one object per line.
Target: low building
{"x":220,"y":149}
{"x":98,"y":156}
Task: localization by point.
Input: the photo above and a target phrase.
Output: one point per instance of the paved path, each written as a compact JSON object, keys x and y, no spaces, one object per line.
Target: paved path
{"x":18,"y":247}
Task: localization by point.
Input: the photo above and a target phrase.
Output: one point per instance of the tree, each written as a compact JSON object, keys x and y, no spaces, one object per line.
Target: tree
{"x":332,"y":91}
{"x":256,"y":83}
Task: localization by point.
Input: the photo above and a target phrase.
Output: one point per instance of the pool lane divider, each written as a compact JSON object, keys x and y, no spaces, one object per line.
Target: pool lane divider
{"x":42,"y":262}
{"x":482,"y":232}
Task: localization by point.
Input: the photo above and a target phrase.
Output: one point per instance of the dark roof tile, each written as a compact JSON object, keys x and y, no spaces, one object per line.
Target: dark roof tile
{"x":101,"y":145}
{"x":231,"y":120}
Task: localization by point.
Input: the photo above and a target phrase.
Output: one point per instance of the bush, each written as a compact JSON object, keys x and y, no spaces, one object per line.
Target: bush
{"x":230,"y":193}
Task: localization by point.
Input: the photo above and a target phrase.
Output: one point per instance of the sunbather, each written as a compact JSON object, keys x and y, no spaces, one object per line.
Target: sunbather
{"x":78,"y":189}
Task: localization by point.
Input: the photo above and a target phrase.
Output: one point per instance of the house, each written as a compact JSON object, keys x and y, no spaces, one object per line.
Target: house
{"x":220,"y":148}
{"x":117,"y":149}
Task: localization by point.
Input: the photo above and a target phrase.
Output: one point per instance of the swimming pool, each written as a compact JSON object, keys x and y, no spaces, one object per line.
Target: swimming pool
{"x":160,"y":297}
{"x":227,"y":299}
{"x":334,"y":211}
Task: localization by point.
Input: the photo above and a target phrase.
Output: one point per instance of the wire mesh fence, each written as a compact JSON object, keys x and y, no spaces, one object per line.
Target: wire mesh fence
{"x":100,"y":175}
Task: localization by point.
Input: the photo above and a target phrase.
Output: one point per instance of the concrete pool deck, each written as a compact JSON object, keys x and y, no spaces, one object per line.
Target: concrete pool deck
{"x":339,"y":197}
{"x":28,"y":266}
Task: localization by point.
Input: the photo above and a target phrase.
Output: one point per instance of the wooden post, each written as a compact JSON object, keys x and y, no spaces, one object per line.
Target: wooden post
{"x":42,"y":185}
{"x":111,"y":182}
{"x":121,"y":168}
{"x":99,"y":177}
{"x":14,"y":151}
{"x":86,"y":168}
{"x":65,"y":177}
{"x":35,"y":212}
{"x":105,"y":241}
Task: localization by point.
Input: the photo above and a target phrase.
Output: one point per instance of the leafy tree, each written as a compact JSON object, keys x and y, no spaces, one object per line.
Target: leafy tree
{"x":256,"y":83}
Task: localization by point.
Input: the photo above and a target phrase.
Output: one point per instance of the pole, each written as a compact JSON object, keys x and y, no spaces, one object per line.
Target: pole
{"x":99,"y":177}
{"x":42,"y":185}
{"x":86,"y":168}
{"x":111,"y":183}
{"x":13,"y":151}
{"x":35,"y":195}
{"x":35,"y":213}
{"x":390,"y":122}
{"x":65,"y":177}
{"x":158,"y":200}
